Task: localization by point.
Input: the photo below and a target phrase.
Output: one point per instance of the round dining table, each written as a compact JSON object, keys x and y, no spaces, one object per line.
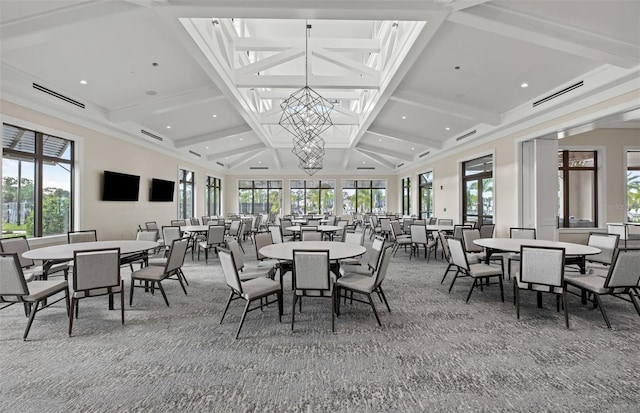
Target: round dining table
{"x":337,"y":250}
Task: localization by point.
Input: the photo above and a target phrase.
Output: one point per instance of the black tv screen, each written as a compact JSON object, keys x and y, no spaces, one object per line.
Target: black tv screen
{"x":120,"y":187}
{"x":161,"y":190}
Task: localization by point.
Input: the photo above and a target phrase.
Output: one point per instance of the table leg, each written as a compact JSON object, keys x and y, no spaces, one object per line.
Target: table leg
{"x":539,"y":298}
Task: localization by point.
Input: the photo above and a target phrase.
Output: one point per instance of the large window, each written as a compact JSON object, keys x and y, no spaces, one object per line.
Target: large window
{"x":214,"y":188}
{"x":477,"y":190}
{"x":577,"y":189}
{"x":426,"y":195}
{"x":259,"y":197}
{"x":37,"y":173}
{"x":633,"y":186}
{"x":406,"y":196}
{"x":364,"y":196}
{"x":312,"y":197}
{"x":185,"y":194}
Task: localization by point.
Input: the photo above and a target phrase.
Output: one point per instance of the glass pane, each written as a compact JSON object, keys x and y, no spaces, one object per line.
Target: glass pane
{"x":364,"y":184}
{"x":487,"y":198}
{"x":17,"y":197}
{"x":426,"y":201}
{"x":56,"y":199}
{"x":472,"y":198}
{"x":581,"y":159}
{"x":633,"y":186}
{"x":581,"y":196}
{"x":349,"y":201}
{"x":426,"y":178}
{"x":560,"y":199}
{"x":56,"y":147}
{"x":245,"y":199}
{"x":297,"y":201}
{"x":18,"y":139}
{"x":633,"y":159}
{"x":260,"y":201}
{"x":348,"y":184}
{"x":296,"y":184}
{"x":327,"y":197}
{"x":560,"y":159}
{"x":328,"y":184}
{"x":245,"y":184}
{"x":275,"y":200}
{"x":275,"y":184}
{"x":380,"y":184}
{"x":313,"y":201}
{"x":478,"y":166}
{"x":363,"y":199}
{"x":379,"y":200}
{"x":260,"y":184}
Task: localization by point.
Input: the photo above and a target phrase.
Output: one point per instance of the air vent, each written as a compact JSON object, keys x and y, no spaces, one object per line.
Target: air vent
{"x":58,"y":95}
{"x":144,"y":132}
{"x":466,"y":135}
{"x":558,"y":93}
{"x":220,"y":163}
{"x":398,"y":166}
{"x":195,"y":153}
{"x":424,"y":154}
{"x":366,"y":167}
{"x":258,"y":167}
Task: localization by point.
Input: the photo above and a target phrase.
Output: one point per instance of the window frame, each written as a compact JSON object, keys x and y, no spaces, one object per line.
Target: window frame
{"x":428,"y":185}
{"x":268,"y":187}
{"x":479,"y":177}
{"x":313,"y":185}
{"x":370,"y":188}
{"x":566,"y":169}
{"x":406,"y":196}
{"x":39,"y":159}
{"x":213,"y":195}
{"x":626,"y":184}
{"x":183,"y":198}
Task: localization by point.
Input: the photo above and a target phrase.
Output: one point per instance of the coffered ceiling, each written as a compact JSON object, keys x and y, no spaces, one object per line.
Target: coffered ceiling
{"x":409,"y":79}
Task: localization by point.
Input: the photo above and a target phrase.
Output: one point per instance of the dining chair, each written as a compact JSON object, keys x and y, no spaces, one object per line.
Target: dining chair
{"x":444,"y":243}
{"x":215,"y":240}
{"x":155,"y":274}
{"x":476,"y":252}
{"x":621,"y":277}
{"x":518,"y":233}
{"x":262,"y":239}
{"x":251,"y":270}
{"x":141,"y":257}
{"x":312,"y":277}
{"x":607,"y":244}
{"x":248,"y":290}
{"x":178,"y":222}
{"x":419,"y":239}
{"x":445,"y":221}
{"x":366,"y":285}
{"x":478,"y":272}
{"x":96,"y":272}
{"x":542,"y":270}
{"x":14,"y":289}
{"x":373,"y":256}
{"x":487,"y":230}
{"x":30,"y":270}
{"x":457,"y":230}
{"x":310,"y":234}
{"x":74,"y":237}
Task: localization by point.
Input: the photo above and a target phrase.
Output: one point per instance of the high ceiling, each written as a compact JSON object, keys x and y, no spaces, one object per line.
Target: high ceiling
{"x":409,"y":79}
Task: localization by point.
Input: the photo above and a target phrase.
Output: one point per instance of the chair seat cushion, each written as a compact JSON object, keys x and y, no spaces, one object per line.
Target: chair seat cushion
{"x":150,"y":273}
{"x":355,"y":269}
{"x":259,"y":287}
{"x":38,"y":270}
{"x":591,"y":282}
{"x":483,"y":270}
{"x":97,"y":292}
{"x":158,"y":261}
{"x":357,"y":282}
{"x":251,"y":272}
{"x":403,"y":241}
{"x":42,"y":289}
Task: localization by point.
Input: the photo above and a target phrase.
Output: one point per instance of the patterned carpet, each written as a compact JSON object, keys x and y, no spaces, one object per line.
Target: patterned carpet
{"x":434,"y":353}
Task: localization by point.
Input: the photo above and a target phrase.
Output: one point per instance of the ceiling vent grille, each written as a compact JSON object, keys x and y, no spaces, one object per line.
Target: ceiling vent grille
{"x":466,"y":135}
{"x":366,"y":167}
{"x":558,"y":93}
{"x":424,"y":154}
{"x":220,"y":163}
{"x":154,"y":136}
{"x":258,"y":167}
{"x":195,"y":153}
{"x":58,"y":95}
{"x":398,"y":166}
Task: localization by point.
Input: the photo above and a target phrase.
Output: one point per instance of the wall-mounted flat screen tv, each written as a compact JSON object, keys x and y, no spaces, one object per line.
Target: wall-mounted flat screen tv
{"x":120,"y":187}
{"x":161,"y":190}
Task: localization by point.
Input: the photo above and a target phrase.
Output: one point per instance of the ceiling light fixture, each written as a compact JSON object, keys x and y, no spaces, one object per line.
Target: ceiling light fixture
{"x":306,"y":114}
{"x":447,"y":128}
{"x":168,"y":126}
{"x":404,"y":117}
{"x":524,"y":85}
{"x":214,"y":116}
{"x":83,"y":82}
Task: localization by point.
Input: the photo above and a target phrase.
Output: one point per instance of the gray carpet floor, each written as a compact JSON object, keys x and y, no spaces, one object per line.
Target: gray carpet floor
{"x":434,"y":353}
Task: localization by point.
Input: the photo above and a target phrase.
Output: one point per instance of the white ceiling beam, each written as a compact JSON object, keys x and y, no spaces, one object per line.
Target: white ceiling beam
{"x":377,"y":158}
{"x":276,"y":158}
{"x":534,"y":30}
{"x":298,"y":81}
{"x":446,"y":107}
{"x":237,"y":151}
{"x":346,"y":45}
{"x":167,"y":104}
{"x":340,"y":61}
{"x":346,"y":112}
{"x":244,"y":159}
{"x":384,"y":151}
{"x":345,"y":159}
{"x":335,"y":120}
{"x":401,"y":136}
{"x":275,"y":44}
{"x":206,"y":137}
{"x":266,"y":44}
{"x":326,"y":93}
{"x":465,"y":4}
{"x":271,"y":61}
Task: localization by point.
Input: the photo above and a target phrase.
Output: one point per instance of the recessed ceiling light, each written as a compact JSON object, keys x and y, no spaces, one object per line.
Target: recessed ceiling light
{"x":447,"y":128}
{"x":168,"y":126}
{"x":206,"y":147}
{"x":214,"y":116}
{"x":151,"y":92}
{"x":83,"y":82}
{"x":404,"y":117}
{"x":363,"y":162}
{"x":413,"y":149}
{"x":241,"y":139}
{"x":379,"y":140}
{"x":524,"y":85}
{"x":259,"y":161}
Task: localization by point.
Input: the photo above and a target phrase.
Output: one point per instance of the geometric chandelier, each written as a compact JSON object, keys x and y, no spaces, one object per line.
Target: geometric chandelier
{"x":306,"y":114}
